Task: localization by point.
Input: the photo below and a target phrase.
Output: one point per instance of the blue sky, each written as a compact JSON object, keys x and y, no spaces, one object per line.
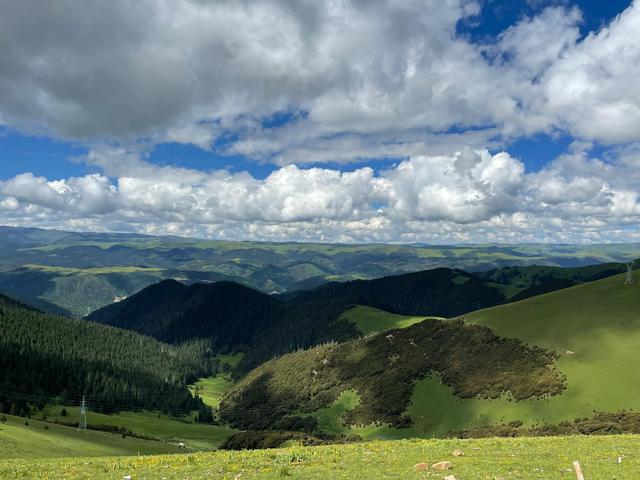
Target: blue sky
{"x":463,"y":120}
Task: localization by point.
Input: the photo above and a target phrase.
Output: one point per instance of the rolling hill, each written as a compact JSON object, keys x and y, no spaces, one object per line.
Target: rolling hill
{"x":584,"y":337}
{"x":232,"y":317}
{"x":76,"y":273}
{"x":48,"y":440}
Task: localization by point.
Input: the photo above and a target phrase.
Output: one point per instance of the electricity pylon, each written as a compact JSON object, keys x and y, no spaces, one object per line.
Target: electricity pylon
{"x":83,"y":415}
{"x":629,"y":279}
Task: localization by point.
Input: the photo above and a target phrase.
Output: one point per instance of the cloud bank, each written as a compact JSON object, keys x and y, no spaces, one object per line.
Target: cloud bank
{"x":467,"y":196}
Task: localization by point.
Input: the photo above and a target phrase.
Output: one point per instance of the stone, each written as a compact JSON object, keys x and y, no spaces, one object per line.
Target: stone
{"x":420,"y":467}
{"x":449,"y":477}
{"x":458,"y":453}
{"x":442,"y":466}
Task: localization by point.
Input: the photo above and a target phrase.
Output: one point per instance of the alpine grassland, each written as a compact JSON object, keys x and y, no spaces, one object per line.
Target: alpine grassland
{"x":144,"y":424}
{"x":586,"y":336}
{"x":372,"y":320}
{"x":607,"y":457}
{"x":28,"y":439}
{"x":595,"y":329}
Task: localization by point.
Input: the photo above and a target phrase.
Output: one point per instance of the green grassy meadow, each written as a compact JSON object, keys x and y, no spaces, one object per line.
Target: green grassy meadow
{"x":42,"y":439}
{"x":371,"y":320}
{"x":212,"y":389}
{"x":509,"y":458}
{"x":195,"y":436}
{"x":595,"y":328}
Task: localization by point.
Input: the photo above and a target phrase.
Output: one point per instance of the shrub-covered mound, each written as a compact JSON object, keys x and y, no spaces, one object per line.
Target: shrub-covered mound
{"x":383,"y":369}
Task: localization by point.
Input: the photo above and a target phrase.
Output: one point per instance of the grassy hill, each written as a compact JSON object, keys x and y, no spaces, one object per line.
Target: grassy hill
{"x":594,"y":328}
{"x":372,"y":320}
{"x":233,"y":317}
{"x":382,"y":369}
{"x":182,"y":429}
{"x":44,"y":439}
{"x":509,"y":458}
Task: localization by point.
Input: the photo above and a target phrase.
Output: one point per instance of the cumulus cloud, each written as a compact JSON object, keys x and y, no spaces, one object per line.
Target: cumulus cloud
{"x":466,"y":196}
{"x":592,"y":89}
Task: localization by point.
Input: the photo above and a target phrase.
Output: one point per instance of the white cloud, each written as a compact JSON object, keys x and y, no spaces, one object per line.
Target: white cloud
{"x":593,"y":90}
{"x":466,"y":196}
{"x":393,"y":80}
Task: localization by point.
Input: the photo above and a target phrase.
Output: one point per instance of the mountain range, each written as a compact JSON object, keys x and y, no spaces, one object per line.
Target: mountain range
{"x":75,"y":274}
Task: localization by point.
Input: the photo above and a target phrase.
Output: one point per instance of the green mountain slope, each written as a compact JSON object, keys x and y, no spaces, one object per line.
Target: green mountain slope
{"x":372,"y":320}
{"x":440,"y":292}
{"x":40,"y":440}
{"x":232,"y":317}
{"x":228,"y":317}
{"x":596,"y":329}
{"x":46,"y":356}
{"x":593,"y":328}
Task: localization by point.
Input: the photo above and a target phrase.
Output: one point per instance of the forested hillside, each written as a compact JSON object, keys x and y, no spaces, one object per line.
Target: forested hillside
{"x":46,"y":356}
{"x":441,"y":292}
{"x":229,"y":317}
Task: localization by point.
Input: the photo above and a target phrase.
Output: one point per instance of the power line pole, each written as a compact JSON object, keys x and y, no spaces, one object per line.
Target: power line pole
{"x":629,"y":279}
{"x":83,"y":415}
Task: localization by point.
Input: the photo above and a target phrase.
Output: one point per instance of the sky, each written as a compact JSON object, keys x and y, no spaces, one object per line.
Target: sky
{"x":430,"y":121}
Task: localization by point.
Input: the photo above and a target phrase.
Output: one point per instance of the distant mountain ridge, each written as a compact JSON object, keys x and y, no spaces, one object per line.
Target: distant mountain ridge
{"x":78,"y":273}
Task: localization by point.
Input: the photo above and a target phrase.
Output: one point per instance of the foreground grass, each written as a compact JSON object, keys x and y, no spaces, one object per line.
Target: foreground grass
{"x":514,"y":458}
